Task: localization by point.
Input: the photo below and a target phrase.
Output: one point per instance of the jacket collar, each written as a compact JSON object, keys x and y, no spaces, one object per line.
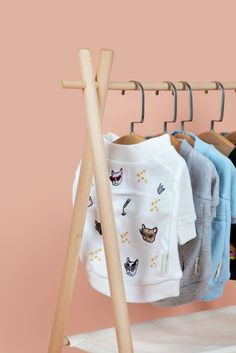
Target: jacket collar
{"x":199,"y":145}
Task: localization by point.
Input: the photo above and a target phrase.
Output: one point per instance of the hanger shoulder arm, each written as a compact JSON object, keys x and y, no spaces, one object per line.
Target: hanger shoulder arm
{"x":231,"y":137}
{"x":220,"y":142}
{"x":129,"y":139}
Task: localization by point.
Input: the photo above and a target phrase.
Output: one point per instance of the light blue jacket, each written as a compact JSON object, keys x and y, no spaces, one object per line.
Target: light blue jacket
{"x":225,"y":215}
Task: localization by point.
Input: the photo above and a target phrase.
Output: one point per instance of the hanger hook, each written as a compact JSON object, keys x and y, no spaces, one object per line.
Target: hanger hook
{"x":186,"y":84}
{"x":222,"y":108}
{"x":174,"y":93}
{"x":137,"y":83}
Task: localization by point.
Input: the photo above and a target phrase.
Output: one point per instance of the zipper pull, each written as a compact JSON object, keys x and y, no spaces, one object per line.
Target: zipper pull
{"x":197,"y":266}
{"x":219,"y":269}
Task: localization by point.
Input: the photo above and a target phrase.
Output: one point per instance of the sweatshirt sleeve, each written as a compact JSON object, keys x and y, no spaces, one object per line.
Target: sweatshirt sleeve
{"x":233,"y":195}
{"x":215,"y":191}
{"x":186,"y":210}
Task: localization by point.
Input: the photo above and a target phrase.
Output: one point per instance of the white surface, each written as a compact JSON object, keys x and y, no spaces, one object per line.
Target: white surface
{"x":211,"y":331}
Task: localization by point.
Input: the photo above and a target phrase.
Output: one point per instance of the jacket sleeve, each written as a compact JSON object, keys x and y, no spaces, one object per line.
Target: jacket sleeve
{"x":186,"y":210}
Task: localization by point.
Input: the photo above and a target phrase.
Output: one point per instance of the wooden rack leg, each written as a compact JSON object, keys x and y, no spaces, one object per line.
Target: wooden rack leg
{"x":105,"y":205}
{"x":78,"y":219}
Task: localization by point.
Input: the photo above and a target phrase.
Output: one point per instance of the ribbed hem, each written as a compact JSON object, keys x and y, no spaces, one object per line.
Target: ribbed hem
{"x":215,"y":292}
{"x":187,"y":294}
{"x":139,"y":294}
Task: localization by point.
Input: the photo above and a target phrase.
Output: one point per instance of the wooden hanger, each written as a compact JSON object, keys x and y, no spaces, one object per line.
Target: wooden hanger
{"x":213,"y":138}
{"x":129,"y":139}
{"x":220,"y":142}
{"x":133,"y":138}
{"x":174,"y":141}
{"x":182,"y":135}
{"x":231,"y":137}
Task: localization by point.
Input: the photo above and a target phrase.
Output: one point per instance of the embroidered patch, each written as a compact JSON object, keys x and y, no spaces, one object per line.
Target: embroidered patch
{"x":90,"y":201}
{"x":116,"y":177}
{"x":124,"y":206}
{"x":160,"y":189}
{"x":131,"y":267}
{"x":153,"y":263}
{"x":124,"y":238}
{"x":98,"y":227}
{"x":93,"y":255}
{"x":141,"y":176}
{"x":232,"y":252}
{"x":148,"y":234}
{"x":154,"y":205}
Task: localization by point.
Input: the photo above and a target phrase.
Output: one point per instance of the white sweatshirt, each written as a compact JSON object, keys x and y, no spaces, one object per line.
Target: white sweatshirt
{"x":154,"y":212}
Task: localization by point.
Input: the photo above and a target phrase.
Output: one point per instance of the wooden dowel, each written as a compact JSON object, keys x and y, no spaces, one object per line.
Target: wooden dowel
{"x":103,"y":190}
{"x":79,"y":211}
{"x":129,"y":86}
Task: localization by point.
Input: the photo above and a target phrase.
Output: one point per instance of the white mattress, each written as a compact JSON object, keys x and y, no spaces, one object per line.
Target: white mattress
{"x":210,"y":331}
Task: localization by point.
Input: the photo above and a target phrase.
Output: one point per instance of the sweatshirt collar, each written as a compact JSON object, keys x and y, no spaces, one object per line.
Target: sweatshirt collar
{"x":137,"y":152}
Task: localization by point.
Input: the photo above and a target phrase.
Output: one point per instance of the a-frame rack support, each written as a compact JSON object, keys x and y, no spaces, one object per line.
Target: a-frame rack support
{"x":93,"y":162}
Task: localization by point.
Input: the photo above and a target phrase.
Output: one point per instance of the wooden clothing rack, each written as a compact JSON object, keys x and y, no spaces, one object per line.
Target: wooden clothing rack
{"x":94,"y":162}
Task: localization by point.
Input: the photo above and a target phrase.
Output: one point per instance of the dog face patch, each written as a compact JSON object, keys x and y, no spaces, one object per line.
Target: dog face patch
{"x":131,"y":267}
{"x":116,"y":177}
{"x":148,"y":234}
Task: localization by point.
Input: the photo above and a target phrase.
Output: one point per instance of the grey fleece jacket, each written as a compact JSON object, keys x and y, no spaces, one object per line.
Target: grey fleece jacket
{"x":195,"y":256}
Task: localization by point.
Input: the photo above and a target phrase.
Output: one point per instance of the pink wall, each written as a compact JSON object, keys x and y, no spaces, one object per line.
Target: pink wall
{"x":43,"y":129}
